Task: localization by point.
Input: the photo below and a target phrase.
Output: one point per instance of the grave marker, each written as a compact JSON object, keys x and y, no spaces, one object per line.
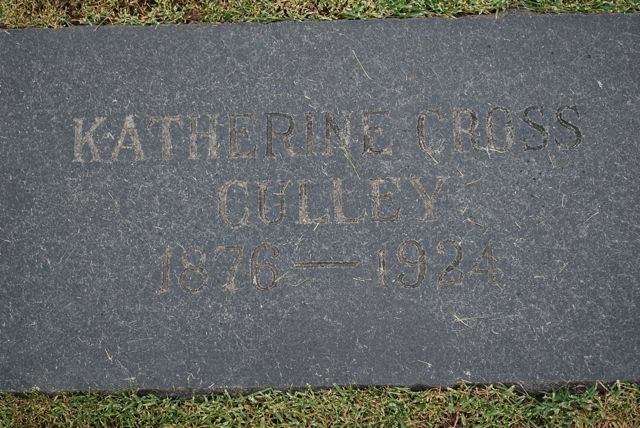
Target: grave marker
{"x":407,"y":202}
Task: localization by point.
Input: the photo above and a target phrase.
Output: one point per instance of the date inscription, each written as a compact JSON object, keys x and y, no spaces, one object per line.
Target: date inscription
{"x":193,"y":269}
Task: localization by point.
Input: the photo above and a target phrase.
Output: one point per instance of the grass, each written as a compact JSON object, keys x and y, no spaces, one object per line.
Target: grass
{"x":616,"y":405}
{"x":58,"y":13}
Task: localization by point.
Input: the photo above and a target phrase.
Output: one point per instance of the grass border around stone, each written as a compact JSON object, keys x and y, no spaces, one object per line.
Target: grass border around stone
{"x":60,"y":13}
{"x":614,"y":405}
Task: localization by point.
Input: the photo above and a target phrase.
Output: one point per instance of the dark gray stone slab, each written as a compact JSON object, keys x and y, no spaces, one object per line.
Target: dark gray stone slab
{"x":391,"y":202}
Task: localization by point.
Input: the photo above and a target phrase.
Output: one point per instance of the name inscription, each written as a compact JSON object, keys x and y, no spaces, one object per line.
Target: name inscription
{"x":364,"y":133}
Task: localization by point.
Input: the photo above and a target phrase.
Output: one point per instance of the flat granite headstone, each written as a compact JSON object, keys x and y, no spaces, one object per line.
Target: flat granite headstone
{"x":407,"y":202}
